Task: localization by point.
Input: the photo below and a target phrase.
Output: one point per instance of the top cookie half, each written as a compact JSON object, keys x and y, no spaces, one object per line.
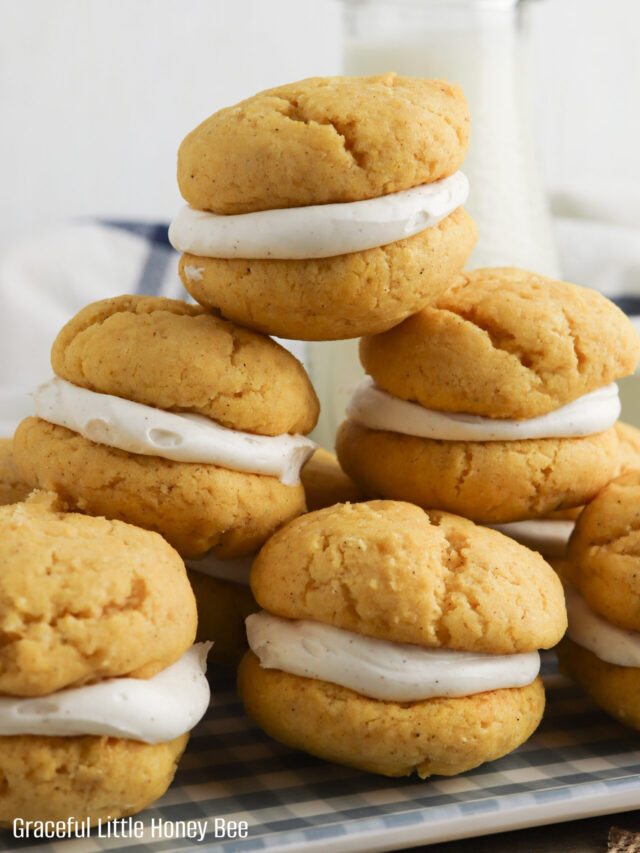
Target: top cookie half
{"x":389,"y":570}
{"x":178,"y":357}
{"x":83,"y":599}
{"x":325,"y":140}
{"x":604,"y":553}
{"x":504,"y":343}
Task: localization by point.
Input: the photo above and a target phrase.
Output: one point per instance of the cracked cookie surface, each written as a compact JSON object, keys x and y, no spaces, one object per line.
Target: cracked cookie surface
{"x":324,"y":140}
{"x":486,"y":481}
{"x":504,"y":343}
{"x":84,"y":599}
{"x":340,"y":297}
{"x":171,"y":355}
{"x":389,"y":570}
{"x":604,"y":553}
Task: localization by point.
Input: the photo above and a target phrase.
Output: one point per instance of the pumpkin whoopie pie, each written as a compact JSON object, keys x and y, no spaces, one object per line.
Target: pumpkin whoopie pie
{"x":327,"y":208}
{"x":395,"y":640}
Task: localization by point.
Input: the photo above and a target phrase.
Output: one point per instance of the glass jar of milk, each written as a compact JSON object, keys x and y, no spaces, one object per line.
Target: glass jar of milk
{"x":480,"y":44}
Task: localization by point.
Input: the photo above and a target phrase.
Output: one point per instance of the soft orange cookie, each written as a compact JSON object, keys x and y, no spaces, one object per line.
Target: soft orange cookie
{"x":13,"y":488}
{"x":328,"y":208}
{"x":170,"y":418}
{"x":370,"y":610}
{"x":100,"y":682}
{"x":341,"y":296}
{"x":325,"y":483}
{"x":323,"y":140}
{"x":498,"y":402}
{"x":602,"y":649}
{"x":550,"y":535}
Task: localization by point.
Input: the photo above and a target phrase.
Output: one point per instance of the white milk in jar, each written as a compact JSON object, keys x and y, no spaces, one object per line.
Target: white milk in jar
{"x":480,"y":45}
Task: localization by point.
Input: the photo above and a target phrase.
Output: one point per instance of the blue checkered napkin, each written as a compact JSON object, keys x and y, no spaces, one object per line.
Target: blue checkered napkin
{"x":580,"y":762}
{"x":159,"y":274}
{"x":59,"y":272}
{"x":630,"y":304}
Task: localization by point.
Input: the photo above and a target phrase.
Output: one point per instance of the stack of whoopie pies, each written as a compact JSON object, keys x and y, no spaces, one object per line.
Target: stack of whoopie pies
{"x":495,"y":399}
{"x":166,"y":416}
{"x":391,"y":635}
{"x":498,"y":402}
{"x":329,"y":208}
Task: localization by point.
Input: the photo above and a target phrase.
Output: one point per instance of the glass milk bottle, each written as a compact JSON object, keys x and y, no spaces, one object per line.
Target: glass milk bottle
{"x":480,"y":44}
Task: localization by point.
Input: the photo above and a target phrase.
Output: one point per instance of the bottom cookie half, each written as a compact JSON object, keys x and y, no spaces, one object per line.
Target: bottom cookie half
{"x":345,"y":296}
{"x":196,"y":507}
{"x":488,"y":482}
{"x":615,"y":688}
{"x":434,"y":736}
{"x":56,"y":778}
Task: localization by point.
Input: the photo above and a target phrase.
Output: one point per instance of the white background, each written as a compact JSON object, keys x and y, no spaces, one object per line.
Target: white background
{"x":97,"y":94}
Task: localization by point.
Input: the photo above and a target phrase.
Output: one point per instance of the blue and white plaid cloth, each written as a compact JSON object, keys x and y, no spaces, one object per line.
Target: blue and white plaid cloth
{"x":158,"y":275}
{"x":48,"y":279}
{"x":579,"y":763}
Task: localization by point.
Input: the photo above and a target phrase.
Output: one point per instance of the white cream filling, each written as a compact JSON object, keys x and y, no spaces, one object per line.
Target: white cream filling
{"x":376,"y":409}
{"x":237,"y":569}
{"x":589,"y":630}
{"x":153,"y":710}
{"x":549,"y":536}
{"x":137,"y":428}
{"x":380,"y":669}
{"x":319,"y":230}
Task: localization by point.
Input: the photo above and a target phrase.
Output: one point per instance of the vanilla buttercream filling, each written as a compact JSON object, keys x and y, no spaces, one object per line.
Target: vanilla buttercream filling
{"x":319,"y":230}
{"x":549,"y":536}
{"x":591,"y":631}
{"x":372,"y":407}
{"x":236,"y":570}
{"x":153,"y":710}
{"x":136,"y":428}
{"x":381,"y":669}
